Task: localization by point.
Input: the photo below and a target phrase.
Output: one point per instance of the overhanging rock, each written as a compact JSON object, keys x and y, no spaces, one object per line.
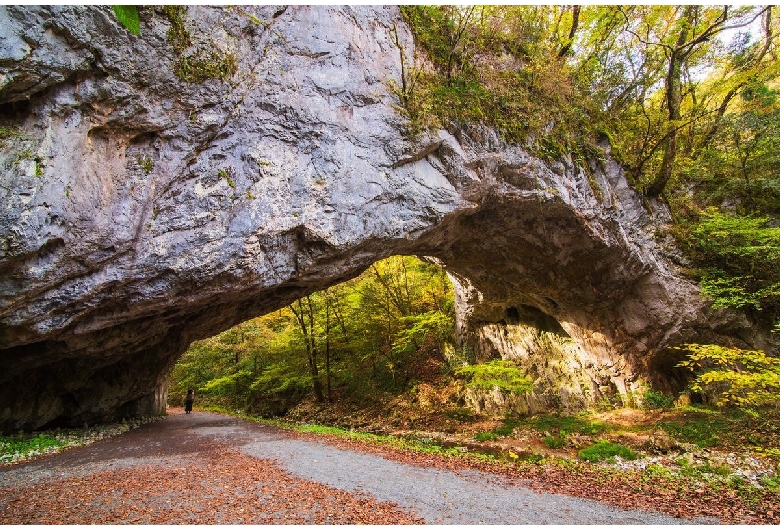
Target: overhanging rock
{"x":140,"y":211}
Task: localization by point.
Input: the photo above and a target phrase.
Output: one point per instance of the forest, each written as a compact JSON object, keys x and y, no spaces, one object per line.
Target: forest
{"x":687,"y":99}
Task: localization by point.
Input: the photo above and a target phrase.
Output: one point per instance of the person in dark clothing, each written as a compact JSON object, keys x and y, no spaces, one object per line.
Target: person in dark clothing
{"x":188,"y":401}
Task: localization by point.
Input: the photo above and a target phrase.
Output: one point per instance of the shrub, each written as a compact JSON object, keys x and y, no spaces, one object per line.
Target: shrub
{"x":555,"y":442}
{"x":604,"y":450}
{"x":746,"y":379}
{"x":485,"y":436}
{"x":657,"y":400}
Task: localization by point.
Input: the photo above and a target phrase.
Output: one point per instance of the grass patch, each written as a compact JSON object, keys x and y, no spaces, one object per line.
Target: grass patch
{"x":18,"y":447}
{"x":508,"y":428}
{"x":604,"y":450}
{"x":485,"y":436}
{"x":568,"y":424}
{"x":322,"y":429}
{"x":555,"y":442}
{"x":705,"y":428}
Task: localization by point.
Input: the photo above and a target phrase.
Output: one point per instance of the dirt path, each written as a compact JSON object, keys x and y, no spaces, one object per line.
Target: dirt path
{"x":208,"y":468}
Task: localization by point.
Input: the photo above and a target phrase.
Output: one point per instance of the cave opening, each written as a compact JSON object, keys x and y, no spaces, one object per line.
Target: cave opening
{"x":401,"y":325}
{"x":384,"y":331}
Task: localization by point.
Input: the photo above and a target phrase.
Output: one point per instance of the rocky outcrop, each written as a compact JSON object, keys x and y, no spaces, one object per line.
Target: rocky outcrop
{"x":143,"y":207}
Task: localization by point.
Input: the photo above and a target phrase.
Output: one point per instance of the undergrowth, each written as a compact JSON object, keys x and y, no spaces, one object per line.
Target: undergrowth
{"x":26,"y":446}
{"x":606,"y":450}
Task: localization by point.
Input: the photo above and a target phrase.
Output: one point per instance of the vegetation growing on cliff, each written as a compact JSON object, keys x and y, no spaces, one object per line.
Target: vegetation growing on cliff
{"x":686,"y":95}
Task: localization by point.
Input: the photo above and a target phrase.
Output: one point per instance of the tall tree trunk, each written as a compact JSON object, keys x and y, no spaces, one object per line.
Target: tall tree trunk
{"x":566,"y":49}
{"x":327,"y":346}
{"x":309,"y":344}
{"x":673,"y":87}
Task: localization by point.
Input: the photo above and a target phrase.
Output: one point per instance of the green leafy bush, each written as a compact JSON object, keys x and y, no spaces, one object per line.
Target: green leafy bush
{"x":504,"y":375}
{"x":746,"y":379}
{"x":555,"y":442}
{"x":656,"y":400}
{"x":741,"y":259}
{"x":604,"y":450}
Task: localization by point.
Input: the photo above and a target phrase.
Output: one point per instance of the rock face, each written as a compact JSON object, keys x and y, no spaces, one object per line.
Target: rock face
{"x":141,"y":209}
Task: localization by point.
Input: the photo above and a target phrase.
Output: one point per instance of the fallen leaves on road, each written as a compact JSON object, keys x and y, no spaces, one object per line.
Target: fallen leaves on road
{"x":625,"y":489}
{"x":217,"y":486}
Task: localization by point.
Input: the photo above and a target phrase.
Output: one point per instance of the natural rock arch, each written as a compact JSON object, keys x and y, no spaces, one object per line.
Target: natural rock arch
{"x":142,"y":212}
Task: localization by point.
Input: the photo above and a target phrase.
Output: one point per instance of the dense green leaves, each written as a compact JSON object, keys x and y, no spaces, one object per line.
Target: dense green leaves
{"x":743,"y":378}
{"x":740,"y":259}
{"x":504,"y":375}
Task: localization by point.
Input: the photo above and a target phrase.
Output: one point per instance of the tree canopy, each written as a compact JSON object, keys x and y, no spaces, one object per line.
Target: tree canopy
{"x":687,"y":97}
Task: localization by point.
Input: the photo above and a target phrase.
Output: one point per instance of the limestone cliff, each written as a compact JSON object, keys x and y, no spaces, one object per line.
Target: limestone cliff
{"x":160,"y":189}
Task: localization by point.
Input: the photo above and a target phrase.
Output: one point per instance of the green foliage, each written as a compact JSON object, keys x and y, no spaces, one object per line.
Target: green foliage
{"x":485,"y":436}
{"x":605,"y":450}
{"x":501,"y":374}
{"x":366,"y":336}
{"x":771,"y":482}
{"x":477,"y":79}
{"x":146,"y":163}
{"x":507,"y":427}
{"x":741,"y":259}
{"x":9,"y":133}
{"x":416,"y":328}
{"x":128,"y":17}
{"x":13,"y":446}
{"x":656,"y":400}
{"x":702,"y":427}
{"x":322,"y":429}
{"x":226,"y":384}
{"x":227,"y":174}
{"x":744,"y":378}
{"x":555,"y":442}
{"x":623,"y":73}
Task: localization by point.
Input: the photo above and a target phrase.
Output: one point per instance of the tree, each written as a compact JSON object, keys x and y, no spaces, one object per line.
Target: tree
{"x":740,"y":259}
{"x":304,"y":314}
{"x":746,"y":379}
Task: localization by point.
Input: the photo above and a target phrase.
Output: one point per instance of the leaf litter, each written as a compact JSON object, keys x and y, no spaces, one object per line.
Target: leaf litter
{"x":217,"y":486}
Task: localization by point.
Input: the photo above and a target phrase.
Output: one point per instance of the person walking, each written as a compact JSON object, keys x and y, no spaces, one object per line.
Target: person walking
{"x":188,"y":401}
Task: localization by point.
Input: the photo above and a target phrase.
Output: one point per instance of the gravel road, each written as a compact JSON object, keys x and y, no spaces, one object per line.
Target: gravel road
{"x":437,"y":496}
